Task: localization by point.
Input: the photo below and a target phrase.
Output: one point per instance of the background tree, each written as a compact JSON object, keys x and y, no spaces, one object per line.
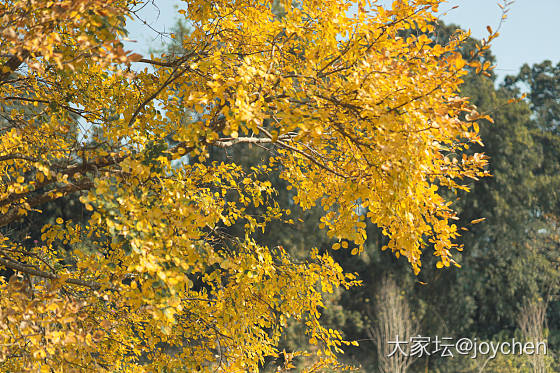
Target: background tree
{"x":392,"y":320}
{"x":532,"y":323}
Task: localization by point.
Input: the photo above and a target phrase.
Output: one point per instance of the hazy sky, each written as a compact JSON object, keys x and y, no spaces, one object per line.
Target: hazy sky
{"x":528,"y":35}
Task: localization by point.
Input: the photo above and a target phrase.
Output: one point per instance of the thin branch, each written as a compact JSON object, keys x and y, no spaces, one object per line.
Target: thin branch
{"x":65,"y":107}
{"x":174,"y":76}
{"x":301,"y":152}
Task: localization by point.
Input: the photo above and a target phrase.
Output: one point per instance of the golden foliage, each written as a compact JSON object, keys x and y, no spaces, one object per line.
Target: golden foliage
{"x":361,"y":111}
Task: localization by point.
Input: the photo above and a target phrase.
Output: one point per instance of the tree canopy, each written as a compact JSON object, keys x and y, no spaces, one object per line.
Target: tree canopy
{"x":358,"y":111}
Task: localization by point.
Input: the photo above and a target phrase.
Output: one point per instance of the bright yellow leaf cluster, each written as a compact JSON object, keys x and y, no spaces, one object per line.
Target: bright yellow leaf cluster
{"x":360,"y":111}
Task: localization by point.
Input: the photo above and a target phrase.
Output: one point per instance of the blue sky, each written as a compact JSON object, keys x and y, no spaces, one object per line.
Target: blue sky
{"x":529,"y":34}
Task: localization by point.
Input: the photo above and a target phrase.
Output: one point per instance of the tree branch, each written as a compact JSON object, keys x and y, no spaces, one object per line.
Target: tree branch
{"x":14,"y":214}
{"x":227,"y":142}
{"x":12,"y":64}
{"x":306,"y":155}
{"x":20,"y":267}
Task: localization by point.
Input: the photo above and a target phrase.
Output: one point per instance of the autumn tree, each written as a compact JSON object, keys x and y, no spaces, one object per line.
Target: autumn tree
{"x":358,"y":115}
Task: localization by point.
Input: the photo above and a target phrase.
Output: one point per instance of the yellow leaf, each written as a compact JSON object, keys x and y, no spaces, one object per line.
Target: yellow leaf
{"x":476,"y":221}
{"x":460,"y":63}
